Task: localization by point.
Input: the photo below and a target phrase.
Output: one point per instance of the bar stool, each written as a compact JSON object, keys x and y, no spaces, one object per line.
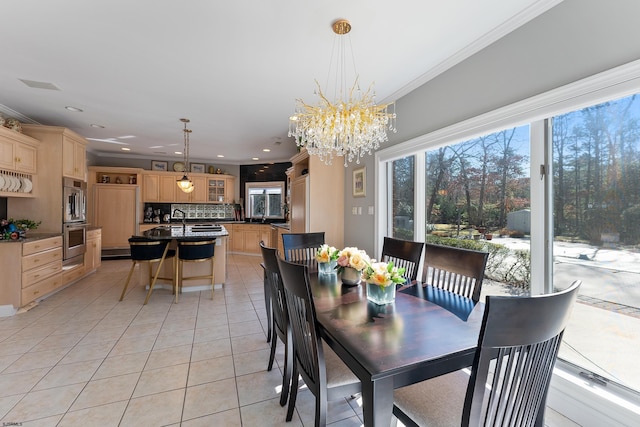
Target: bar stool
{"x":149,"y":251}
{"x":194,"y":251}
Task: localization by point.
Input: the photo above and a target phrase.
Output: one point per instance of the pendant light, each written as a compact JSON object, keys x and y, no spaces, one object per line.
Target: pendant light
{"x":185,"y":183}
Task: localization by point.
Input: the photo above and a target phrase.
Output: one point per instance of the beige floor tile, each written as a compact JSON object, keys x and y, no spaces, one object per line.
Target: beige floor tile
{"x":174,"y":339}
{"x":252,"y":361}
{"x":337,"y":410}
{"x":210,"y":398}
{"x":108,"y":415}
{"x":245,"y":328}
{"x":142,"y":329}
{"x":8,"y":402}
{"x":81,"y":353}
{"x":8,"y":360}
{"x":168,"y":356}
{"x":20,"y":382}
{"x":43,"y":422}
{"x":211,"y":349}
{"x":73,"y":373}
{"x":259,"y":386}
{"x":133,"y":345}
{"x":161,"y":380}
{"x":251,"y":342}
{"x":268,"y":413}
{"x":121,"y":365}
{"x":39,"y":359}
{"x":354,"y":421}
{"x":207,"y":319}
{"x":96,"y":336}
{"x":212,"y":333}
{"x":108,"y":390}
{"x":211,"y":370}
{"x":31,"y":407}
{"x":230,"y":418}
{"x":180,"y":323}
{"x":59,"y":341}
{"x":154,"y":410}
{"x":242,"y":316}
{"x":18,"y":346}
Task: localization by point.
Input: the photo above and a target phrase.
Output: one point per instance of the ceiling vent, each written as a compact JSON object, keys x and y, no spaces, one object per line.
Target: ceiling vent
{"x":39,"y":85}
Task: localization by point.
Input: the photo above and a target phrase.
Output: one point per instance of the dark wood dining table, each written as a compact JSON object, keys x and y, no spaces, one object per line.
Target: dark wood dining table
{"x":425,"y":333}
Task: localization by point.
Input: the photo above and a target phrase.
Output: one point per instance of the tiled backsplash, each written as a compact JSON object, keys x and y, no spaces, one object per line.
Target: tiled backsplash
{"x":202,"y":211}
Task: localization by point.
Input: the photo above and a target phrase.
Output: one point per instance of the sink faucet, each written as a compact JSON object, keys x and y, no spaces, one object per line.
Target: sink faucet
{"x":184,"y":217}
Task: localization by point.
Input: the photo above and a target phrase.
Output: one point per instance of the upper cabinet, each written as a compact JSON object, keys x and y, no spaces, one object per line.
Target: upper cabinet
{"x":18,"y":152}
{"x":208,"y":188}
{"x":74,"y":157}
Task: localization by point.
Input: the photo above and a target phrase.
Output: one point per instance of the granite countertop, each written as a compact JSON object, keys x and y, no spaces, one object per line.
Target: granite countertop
{"x":32,"y":237}
{"x":165,"y":232}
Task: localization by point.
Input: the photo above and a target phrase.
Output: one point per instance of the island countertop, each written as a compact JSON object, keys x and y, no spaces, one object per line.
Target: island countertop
{"x":170,"y":232}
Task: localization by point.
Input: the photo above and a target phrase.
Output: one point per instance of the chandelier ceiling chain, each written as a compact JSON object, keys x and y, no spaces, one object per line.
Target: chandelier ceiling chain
{"x":351,"y":125}
{"x":185,"y":183}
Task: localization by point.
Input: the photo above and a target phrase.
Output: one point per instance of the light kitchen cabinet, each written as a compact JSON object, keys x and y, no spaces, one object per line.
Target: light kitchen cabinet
{"x":317,"y":197}
{"x":93,"y":256}
{"x":53,"y":162}
{"x":18,"y":152}
{"x":74,"y":157}
{"x":111,"y":176}
{"x":115,"y":209}
{"x":162,"y":187}
{"x":245,"y":238}
{"x":30,"y":270}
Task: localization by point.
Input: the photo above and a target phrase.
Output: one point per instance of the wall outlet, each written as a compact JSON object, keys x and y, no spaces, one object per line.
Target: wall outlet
{"x":370,"y":210}
{"x":354,"y":210}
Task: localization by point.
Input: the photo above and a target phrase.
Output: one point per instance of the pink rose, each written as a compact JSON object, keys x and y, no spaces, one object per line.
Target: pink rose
{"x":343,"y":261}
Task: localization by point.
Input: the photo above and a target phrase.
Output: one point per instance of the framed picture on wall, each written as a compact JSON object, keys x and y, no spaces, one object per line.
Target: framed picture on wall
{"x":360,"y":182}
{"x":197,"y":167}
{"x":157,"y":165}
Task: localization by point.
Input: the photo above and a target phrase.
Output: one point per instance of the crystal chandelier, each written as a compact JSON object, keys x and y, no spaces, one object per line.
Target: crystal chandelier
{"x":351,"y":125}
{"x":185,"y":183}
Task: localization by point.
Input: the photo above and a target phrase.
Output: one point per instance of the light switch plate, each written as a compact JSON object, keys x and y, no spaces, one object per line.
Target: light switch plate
{"x":354,"y":210}
{"x":370,"y":210}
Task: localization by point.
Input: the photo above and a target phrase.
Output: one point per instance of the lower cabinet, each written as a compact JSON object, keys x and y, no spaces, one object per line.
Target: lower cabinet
{"x":41,"y":268}
{"x":92,"y":258}
{"x":245,"y":238}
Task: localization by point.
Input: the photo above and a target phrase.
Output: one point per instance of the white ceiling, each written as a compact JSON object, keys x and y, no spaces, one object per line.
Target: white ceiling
{"x":234,"y":68}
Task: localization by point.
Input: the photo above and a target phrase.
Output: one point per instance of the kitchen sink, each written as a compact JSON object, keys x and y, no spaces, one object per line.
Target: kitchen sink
{"x":205,"y":228}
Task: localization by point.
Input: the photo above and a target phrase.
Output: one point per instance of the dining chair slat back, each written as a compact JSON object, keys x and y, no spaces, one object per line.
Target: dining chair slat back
{"x":512,"y":368}
{"x":457,"y":270}
{"x":403,"y":253}
{"x":301,"y":246}
{"x":279,"y":316}
{"x":326,"y":376}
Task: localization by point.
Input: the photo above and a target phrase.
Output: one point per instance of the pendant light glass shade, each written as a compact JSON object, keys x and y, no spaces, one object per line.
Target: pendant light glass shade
{"x":185,"y":183}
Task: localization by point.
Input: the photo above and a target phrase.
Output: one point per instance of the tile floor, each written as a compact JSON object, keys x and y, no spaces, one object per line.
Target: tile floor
{"x":81,"y":358}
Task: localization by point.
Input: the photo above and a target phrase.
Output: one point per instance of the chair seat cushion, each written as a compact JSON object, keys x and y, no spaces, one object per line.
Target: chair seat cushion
{"x":437,"y":402}
{"x":338,"y":374}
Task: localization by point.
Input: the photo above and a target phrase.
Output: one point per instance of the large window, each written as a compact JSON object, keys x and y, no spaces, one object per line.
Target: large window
{"x":596,"y":205}
{"x":487,"y":184}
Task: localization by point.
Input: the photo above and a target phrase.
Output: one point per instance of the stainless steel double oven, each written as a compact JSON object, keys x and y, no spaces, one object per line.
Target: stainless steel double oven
{"x":75,"y":225}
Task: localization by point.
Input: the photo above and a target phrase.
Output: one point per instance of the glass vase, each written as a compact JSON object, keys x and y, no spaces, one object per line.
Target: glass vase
{"x":350,"y":276}
{"x":381,"y":294}
{"x":327,"y":267}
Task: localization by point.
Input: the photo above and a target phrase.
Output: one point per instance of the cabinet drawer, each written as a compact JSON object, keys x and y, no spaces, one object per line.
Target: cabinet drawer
{"x":73,"y":274}
{"x":41,"y":258}
{"x":41,"y":245}
{"x":41,"y":288}
{"x":35,"y":275}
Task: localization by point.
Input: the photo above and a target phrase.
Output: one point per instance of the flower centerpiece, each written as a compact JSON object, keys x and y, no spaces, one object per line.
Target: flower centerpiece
{"x":327,"y":257}
{"x":382,"y":279}
{"x":351,"y":262}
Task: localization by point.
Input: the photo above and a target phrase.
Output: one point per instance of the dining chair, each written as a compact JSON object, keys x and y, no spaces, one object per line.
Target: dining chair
{"x":279,"y":317}
{"x":512,"y":368}
{"x":194,"y":250}
{"x":302,"y":246}
{"x":403,"y":253}
{"x":149,"y":251}
{"x":323,"y":372}
{"x":457,"y":270}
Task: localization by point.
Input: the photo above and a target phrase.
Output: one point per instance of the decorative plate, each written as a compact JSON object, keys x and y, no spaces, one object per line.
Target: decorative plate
{"x":178,"y":167}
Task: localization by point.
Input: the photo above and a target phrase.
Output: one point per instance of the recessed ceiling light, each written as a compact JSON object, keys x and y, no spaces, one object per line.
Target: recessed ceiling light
{"x":177,"y":152}
{"x":219,"y":155}
{"x":126,"y":149}
{"x":156,"y":146}
{"x":74,"y":109}
{"x":255,"y":158}
{"x":126,"y":137}
{"x":266,"y":150}
{"x":93,"y":125}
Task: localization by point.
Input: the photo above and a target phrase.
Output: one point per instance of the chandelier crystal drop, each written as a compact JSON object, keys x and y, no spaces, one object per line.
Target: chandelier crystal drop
{"x":185,"y":183}
{"x":350,"y":126}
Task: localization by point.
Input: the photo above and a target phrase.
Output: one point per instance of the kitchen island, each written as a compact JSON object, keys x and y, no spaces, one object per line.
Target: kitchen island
{"x":188,"y":232}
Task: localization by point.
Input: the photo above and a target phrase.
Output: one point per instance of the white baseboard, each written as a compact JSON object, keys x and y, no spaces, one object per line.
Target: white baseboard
{"x":7,"y":310}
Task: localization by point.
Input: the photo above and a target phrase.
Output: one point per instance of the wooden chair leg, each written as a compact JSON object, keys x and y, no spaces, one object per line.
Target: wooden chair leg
{"x":288,"y":367}
{"x":272,"y":354}
{"x":126,"y":284}
{"x":155,"y":277}
{"x":294,"y":392}
{"x":213,"y":282}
